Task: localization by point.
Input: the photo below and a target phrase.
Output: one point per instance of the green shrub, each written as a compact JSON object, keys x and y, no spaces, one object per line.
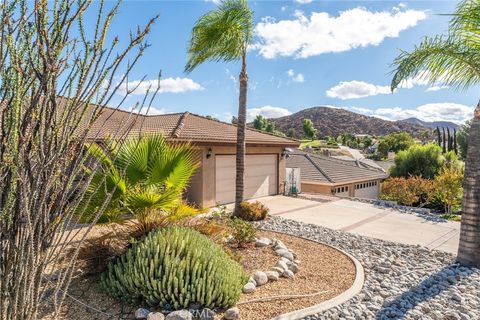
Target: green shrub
{"x":253,"y":211}
{"x":174,"y":267}
{"x":242,"y":231}
{"x":424,"y":161}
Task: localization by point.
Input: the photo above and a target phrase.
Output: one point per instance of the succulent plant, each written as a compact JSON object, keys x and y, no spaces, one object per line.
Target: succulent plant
{"x":175,"y":267}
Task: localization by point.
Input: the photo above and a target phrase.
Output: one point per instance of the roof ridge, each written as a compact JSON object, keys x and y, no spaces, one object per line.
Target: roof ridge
{"x":180,"y":125}
{"x":318,"y":168}
{"x":344,"y":162}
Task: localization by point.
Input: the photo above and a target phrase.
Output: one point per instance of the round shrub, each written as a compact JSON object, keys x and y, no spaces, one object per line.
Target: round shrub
{"x":253,"y":211}
{"x":174,"y":267}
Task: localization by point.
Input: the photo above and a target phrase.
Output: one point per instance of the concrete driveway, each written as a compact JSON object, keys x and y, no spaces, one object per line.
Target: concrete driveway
{"x":367,"y":220}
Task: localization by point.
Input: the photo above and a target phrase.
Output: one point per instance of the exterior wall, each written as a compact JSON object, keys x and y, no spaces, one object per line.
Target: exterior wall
{"x":202,"y":185}
{"x":326,"y":189}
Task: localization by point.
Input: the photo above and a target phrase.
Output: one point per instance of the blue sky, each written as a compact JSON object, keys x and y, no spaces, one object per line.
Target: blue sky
{"x":305,"y":54}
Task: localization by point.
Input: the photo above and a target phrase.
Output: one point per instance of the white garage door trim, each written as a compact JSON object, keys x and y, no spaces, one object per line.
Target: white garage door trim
{"x":367,"y":190}
{"x":261,"y":176}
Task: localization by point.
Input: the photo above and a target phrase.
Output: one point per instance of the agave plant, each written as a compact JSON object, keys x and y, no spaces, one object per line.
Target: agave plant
{"x":143,"y":177}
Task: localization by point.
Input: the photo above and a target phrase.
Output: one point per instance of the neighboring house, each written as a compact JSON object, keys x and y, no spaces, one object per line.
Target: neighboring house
{"x":214,"y":182}
{"x":331,"y":176}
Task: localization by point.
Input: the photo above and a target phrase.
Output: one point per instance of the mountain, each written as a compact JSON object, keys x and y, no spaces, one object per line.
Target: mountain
{"x":433,"y":124}
{"x":334,"y":121}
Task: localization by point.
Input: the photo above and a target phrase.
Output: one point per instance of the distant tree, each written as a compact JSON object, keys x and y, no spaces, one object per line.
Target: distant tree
{"x":234,"y":120}
{"x":444,"y":145}
{"x":425,"y":136}
{"x":395,"y":142}
{"x":211,"y":118}
{"x":367,"y":142}
{"x":309,"y":130}
{"x":462,"y":138}
{"x":259,"y":122}
{"x":439,"y":138}
{"x":291,"y":133}
{"x":270,"y":127}
{"x":455,"y":145}
{"x":419,"y":160}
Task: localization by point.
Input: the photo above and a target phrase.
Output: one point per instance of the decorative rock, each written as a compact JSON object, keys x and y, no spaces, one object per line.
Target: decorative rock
{"x":249,"y":288}
{"x":278,"y":270}
{"x":272,"y":275}
{"x":179,"y":315}
{"x":155,"y":316}
{"x":232,"y":314}
{"x":285,"y":253}
{"x":263,"y":242}
{"x":251,"y":280}
{"x":260,"y":277}
{"x":141,"y":313}
{"x":288,"y":274}
{"x":282,"y":265}
{"x":292,"y":267}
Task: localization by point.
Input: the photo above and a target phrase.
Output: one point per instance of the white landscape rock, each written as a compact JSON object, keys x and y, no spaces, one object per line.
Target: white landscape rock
{"x":263,"y":242}
{"x":251,"y":280}
{"x":278,"y":270}
{"x":292,"y":267}
{"x":179,"y":315}
{"x":155,"y":316}
{"x":249,"y":288}
{"x":282,"y":265}
{"x":260,"y":278}
{"x":272,"y":275}
{"x":285,"y":254}
{"x":232,"y":314}
{"x":141,"y":313}
{"x":288,"y":274}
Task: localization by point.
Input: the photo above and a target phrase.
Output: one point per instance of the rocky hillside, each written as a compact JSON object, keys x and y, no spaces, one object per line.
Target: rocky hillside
{"x":432,"y":125}
{"x":333,"y":122}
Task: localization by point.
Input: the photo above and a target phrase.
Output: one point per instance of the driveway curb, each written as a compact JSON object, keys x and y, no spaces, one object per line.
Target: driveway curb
{"x":335,"y":301}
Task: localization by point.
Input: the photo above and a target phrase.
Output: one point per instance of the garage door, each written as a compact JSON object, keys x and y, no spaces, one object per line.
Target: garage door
{"x":367,"y":190}
{"x":260,"y":177}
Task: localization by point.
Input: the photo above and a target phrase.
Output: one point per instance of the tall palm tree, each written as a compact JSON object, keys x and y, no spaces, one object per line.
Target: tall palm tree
{"x":454,"y":59}
{"x":224,"y":34}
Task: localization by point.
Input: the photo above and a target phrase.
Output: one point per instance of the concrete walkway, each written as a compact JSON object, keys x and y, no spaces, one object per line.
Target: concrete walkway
{"x":367,"y":220}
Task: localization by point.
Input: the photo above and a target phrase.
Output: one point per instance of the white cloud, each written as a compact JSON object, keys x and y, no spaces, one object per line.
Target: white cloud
{"x":320,"y":33}
{"x":356,"y":89}
{"x":436,"y":88}
{"x":152,"y":111}
{"x":303,"y":1}
{"x":296,"y":77}
{"x":267,"y":112}
{"x":443,"y":111}
{"x":168,"y":85}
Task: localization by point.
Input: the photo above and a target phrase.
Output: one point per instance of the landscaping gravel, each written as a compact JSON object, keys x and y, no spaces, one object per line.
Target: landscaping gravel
{"x":401,"y":281}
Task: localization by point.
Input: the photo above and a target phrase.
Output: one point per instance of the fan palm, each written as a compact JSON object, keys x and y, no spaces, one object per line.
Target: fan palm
{"x":223,"y":35}
{"x":454,"y":60}
{"x":143,"y":177}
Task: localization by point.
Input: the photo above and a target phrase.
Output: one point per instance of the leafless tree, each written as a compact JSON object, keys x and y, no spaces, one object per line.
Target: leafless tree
{"x":58,"y":71}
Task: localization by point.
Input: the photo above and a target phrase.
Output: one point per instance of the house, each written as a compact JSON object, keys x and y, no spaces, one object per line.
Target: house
{"x":215,"y":142}
{"x":331,"y":176}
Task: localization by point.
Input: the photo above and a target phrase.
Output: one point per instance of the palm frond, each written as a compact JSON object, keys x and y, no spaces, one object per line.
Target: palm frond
{"x":439,"y":59}
{"x":221,"y":35}
{"x":465,"y":22}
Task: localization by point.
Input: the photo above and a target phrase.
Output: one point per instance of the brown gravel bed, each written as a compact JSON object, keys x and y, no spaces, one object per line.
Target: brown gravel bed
{"x":322,"y":268}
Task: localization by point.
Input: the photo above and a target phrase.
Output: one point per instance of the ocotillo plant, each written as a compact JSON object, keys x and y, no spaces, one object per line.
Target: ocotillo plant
{"x":59,"y":68}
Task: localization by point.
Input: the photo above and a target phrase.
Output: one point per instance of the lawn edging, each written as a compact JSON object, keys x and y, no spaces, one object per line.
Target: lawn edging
{"x":335,"y":301}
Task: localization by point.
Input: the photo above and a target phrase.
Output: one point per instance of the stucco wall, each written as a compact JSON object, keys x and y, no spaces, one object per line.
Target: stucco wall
{"x":326,"y":189}
{"x":202,"y":185}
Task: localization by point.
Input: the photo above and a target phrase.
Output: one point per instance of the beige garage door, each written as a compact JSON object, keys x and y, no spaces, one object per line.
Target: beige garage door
{"x":367,"y":190}
{"x":260,"y":177}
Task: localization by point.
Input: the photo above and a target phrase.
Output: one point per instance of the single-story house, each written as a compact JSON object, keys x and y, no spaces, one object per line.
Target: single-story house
{"x":214,"y":182}
{"x":332,"y":176}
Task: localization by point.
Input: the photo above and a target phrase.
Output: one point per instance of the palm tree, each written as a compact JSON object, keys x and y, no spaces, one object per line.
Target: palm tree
{"x":224,"y":35}
{"x":144,"y":176}
{"x":454,"y":59}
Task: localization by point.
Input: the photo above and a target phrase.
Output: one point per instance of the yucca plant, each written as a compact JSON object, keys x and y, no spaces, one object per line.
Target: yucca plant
{"x":144,"y":178}
{"x":174,"y":267}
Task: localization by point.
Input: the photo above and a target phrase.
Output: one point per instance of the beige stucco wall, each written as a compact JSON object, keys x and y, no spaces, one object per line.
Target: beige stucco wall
{"x":202,"y":186}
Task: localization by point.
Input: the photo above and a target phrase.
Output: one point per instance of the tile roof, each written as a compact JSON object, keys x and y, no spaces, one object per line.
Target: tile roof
{"x":179,"y":126}
{"x":330,"y":170}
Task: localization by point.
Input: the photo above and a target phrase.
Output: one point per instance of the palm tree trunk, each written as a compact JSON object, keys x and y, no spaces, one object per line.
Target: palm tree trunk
{"x":469,"y":247}
{"x":242,"y":115}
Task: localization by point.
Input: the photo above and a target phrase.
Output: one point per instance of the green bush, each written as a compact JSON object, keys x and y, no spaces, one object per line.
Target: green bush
{"x":242,"y":231}
{"x":424,"y":161}
{"x":174,"y":267}
{"x":253,"y":211}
